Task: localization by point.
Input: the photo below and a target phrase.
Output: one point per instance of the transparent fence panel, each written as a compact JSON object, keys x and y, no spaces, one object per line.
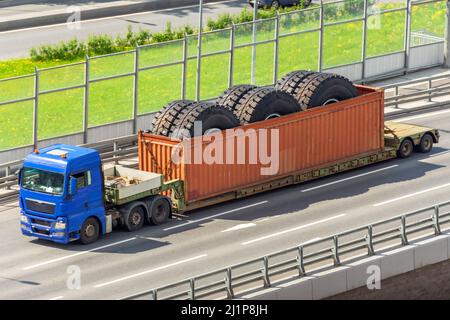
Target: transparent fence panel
{"x":214,"y":75}
{"x":17,"y":88}
{"x":158,"y":87}
{"x":111,"y":65}
{"x":57,"y":78}
{"x":342,"y":44}
{"x":265,"y":55}
{"x":16,"y":127}
{"x":216,"y":41}
{"x":299,"y":21}
{"x":242,"y":70}
{"x":378,"y":6}
{"x":265,"y":30}
{"x":428,"y":23}
{"x":298,"y":52}
{"x":160,"y":53}
{"x":111,"y":100}
{"x":191,"y":78}
{"x":387,"y":34}
{"x":60,"y":113}
{"x":192,"y":42}
{"x":350,"y":9}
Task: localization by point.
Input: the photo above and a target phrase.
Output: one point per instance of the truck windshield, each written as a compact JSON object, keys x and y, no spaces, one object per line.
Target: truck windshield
{"x":42,"y":181}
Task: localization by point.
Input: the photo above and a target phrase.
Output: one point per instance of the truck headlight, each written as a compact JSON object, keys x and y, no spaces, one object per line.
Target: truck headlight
{"x":23,"y":219}
{"x":60,"y":225}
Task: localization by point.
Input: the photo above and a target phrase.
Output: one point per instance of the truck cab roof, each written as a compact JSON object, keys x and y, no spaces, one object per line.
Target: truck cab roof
{"x":63,"y":158}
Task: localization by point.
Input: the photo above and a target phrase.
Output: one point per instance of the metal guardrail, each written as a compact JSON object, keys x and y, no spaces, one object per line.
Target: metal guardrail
{"x":364,"y":241}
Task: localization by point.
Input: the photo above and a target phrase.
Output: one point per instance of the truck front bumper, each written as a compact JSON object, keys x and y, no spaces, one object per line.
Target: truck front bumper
{"x":44,"y":228}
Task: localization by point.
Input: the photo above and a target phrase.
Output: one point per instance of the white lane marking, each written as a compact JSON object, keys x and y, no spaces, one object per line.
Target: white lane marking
{"x":114,"y":17}
{"x":293,"y":229}
{"x":56,"y":298}
{"x":215,"y":215}
{"x":420,"y":116}
{"x":151,"y":270}
{"x":437,"y":154}
{"x":240,"y":227}
{"x":411,"y":195}
{"x":77,"y":254}
{"x":349,"y":178}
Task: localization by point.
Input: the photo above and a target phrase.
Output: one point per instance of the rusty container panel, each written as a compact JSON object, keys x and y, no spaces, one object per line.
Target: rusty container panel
{"x":293,"y":143}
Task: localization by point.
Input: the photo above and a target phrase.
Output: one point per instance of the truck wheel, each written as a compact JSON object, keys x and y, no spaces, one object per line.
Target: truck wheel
{"x":230,"y":98}
{"x":89,"y":231}
{"x":211,"y":118}
{"x":160,"y":210}
{"x":135,"y":219}
{"x":265,"y":103}
{"x":426,"y":143}
{"x":291,"y":81}
{"x":406,"y":149}
{"x":164,"y":120}
{"x":321,"y":89}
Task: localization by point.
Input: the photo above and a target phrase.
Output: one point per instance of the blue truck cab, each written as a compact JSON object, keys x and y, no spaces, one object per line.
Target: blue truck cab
{"x":61,"y":192}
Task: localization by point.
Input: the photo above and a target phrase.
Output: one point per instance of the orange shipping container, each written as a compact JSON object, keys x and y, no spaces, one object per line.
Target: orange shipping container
{"x":268,"y":150}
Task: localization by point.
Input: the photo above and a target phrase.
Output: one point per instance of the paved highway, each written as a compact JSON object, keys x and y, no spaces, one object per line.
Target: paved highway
{"x":125,"y":263}
{"x":11,"y":47}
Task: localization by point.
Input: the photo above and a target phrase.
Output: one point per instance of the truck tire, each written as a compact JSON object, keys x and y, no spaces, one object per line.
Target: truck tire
{"x":213,"y":118}
{"x":321,"y":89}
{"x":426,"y":143}
{"x":164,"y":120}
{"x":160,"y":210}
{"x":230,"y":98}
{"x":291,"y":81}
{"x":265,"y":103}
{"x":406,"y":149}
{"x":135,"y":218}
{"x":90,"y":231}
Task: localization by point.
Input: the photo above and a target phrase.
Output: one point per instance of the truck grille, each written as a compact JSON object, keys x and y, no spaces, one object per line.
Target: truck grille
{"x":43,"y":207}
{"x":42,"y":222}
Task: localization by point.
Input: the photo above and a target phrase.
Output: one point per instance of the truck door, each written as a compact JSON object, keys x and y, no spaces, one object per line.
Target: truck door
{"x":80,"y":204}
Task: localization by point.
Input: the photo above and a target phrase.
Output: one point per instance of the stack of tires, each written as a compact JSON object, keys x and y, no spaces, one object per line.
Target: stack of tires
{"x":243,"y":104}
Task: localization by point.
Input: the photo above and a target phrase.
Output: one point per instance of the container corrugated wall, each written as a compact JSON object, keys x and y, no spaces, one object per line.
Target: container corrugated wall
{"x":306,"y":140}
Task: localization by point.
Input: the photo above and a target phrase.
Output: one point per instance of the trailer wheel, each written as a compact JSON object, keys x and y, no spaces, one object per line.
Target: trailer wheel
{"x":160,"y":210}
{"x":211,"y":118}
{"x":321,"y":89}
{"x":291,"y":81}
{"x":426,"y":143}
{"x":89,"y":232}
{"x":230,"y":98}
{"x":134,"y":220}
{"x":406,"y":149}
{"x":164,"y":120}
{"x":265,"y":103}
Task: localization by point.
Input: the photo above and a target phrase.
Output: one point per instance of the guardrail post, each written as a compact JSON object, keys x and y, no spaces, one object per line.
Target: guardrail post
{"x":429,"y":88}
{"x":86,"y":101}
{"x":436,"y":223}
{"x":136,"y":88}
{"x":115,"y":148}
{"x":408,"y":34}
{"x":265,"y":272}
{"x":396,"y":94}
{"x":185,"y":66}
{"x":403,"y":231}
{"x":335,"y":251}
{"x":192,"y":289}
{"x":277,"y":49}
{"x":229,"y":285}
{"x":300,"y":262}
{"x":36,"y":107}
{"x":369,"y":240}
{"x":447,"y":37}
{"x":231,"y":66}
{"x":321,"y":32}
{"x":7,"y":175}
{"x":155,"y":294}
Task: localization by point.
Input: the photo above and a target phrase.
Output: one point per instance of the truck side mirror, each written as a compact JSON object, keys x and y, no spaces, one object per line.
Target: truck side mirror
{"x":73,"y":186}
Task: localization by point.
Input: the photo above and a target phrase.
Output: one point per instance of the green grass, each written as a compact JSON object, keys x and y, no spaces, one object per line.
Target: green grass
{"x":112,"y":100}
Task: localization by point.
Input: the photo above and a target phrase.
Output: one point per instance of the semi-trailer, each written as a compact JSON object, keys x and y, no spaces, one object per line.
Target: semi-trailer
{"x":67,"y":194}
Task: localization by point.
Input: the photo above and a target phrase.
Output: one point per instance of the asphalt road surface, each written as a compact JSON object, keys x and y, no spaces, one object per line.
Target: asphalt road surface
{"x":17,"y":43}
{"x":123,"y":263}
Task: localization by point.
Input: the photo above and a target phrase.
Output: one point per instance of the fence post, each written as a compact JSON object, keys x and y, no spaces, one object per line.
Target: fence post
{"x":364,"y":44}
{"x":408,"y":34}
{"x":199,"y":51}
{"x":229,"y":285}
{"x":86,"y":101}
{"x":447,"y":37}
{"x":369,"y":240}
{"x":321,"y":33}
{"x":185,"y":66}
{"x":265,"y":271}
{"x":192,"y":289}
{"x":436,"y":222}
{"x":36,"y":107}
{"x":231,"y":66}
{"x":301,"y":265}
{"x":136,"y":89}
{"x":335,"y":251}
{"x":155,"y":294}
{"x":277,"y":49}
{"x":255,"y":17}
{"x":403,"y":231}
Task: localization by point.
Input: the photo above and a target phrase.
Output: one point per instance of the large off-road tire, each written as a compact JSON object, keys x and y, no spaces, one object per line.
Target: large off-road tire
{"x":160,"y":210}
{"x":320,"y":89}
{"x":230,"y":98}
{"x":90,"y":231}
{"x":164,"y":120}
{"x":290,"y":82}
{"x":212,"y":118}
{"x":265,"y":103}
